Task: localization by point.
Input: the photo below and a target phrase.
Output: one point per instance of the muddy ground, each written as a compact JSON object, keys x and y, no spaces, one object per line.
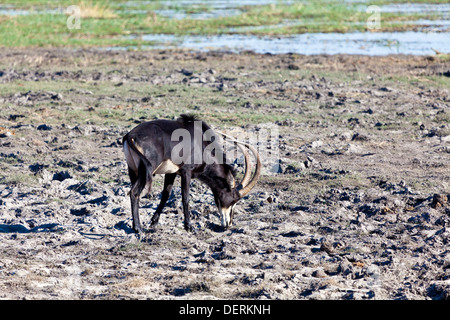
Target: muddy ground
{"x":359,"y":208}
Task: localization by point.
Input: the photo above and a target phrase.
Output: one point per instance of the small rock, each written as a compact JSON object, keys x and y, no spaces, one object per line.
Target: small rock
{"x":57,"y":96}
{"x":353,"y":148}
{"x":345,"y":267}
{"x":46,"y":176}
{"x":359,"y":137}
{"x":310,"y":162}
{"x":44,"y":127}
{"x":37,"y":167}
{"x":61,"y":176}
{"x":440,"y":289}
{"x":85,"y":188}
{"x":316,"y":144}
{"x":346,"y":136}
{"x":6,"y":133}
{"x":327,"y":247}
{"x":13,"y":117}
{"x":186,"y":72}
{"x":294,"y":168}
{"x":292,"y":234}
{"x":386,"y":89}
{"x":300,"y":208}
{"x":248,"y":105}
{"x":319,"y":273}
{"x":103,"y":200}
{"x":285,"y":123}
{"x":420,"y":219}
{"x":439,"y":200}
{"x":80,"y":212}
{"x":222,"y":87}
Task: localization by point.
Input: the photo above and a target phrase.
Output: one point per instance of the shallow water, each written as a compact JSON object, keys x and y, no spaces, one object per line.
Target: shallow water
{"x":432,"y":25}
{"x":366,"y":43}
{"x":220,"y":4}
{"x":433,"y":35}
{"x":213,"y":8}
{"x":210,"y":14}
{"x":442,"y":8}
{"x":220,"y":8}
{"x":13,"y":12}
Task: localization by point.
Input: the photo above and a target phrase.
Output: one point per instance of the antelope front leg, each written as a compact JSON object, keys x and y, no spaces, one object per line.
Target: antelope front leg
{"x":168,"y":184}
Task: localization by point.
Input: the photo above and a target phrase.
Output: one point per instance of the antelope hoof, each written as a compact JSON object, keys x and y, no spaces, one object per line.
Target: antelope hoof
{"x":189,"y":228}
{"x":154,"y":226}
{"x":155,"y":222}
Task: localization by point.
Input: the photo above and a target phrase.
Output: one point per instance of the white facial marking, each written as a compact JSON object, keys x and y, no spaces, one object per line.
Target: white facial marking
{"x":226,"y":216}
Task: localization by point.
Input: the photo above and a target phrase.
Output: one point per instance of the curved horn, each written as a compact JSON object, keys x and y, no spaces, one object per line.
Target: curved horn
{"x":247,"y":185}
{"x":248,"y":172}
{"x":246,"y":190}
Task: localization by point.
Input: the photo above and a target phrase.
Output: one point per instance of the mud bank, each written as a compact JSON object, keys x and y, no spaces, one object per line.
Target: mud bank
{"x":358,"y":210}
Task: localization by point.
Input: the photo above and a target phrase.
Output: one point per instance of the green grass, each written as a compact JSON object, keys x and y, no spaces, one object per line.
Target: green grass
{"x":110,"y":23}
{"x":381,"y":2}
{"x":19,"y":179}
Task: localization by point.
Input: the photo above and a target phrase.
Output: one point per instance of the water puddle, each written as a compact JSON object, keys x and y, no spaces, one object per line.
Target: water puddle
{"x":442,"y":8}
{"x":12,"y":11}
{"x":219,"y":4}
{"x":365,"y":43}
{"x":199,"y":9}
{"x":431,"y":34}
{"x":196,"y":9}
{"x":423,"y":25}
{"x":202,"y":15}
{"x":223,"y":8}
{"x":431,"y":25}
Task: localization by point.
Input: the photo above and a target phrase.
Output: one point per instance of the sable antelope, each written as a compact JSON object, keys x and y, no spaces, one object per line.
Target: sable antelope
{"x":152,"y":148}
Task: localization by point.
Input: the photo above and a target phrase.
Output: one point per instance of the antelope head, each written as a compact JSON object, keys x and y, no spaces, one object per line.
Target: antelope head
{"x":227,"y":192}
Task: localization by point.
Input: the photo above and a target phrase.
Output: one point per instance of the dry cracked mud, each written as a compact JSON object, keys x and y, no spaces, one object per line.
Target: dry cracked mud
{"x":359,"y":207}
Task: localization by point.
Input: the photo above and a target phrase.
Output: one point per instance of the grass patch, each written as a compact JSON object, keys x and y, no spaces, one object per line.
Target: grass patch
{"x":96,"y":11}
{"x":19,"y":179}
{"x":109,"y":23}
{"x":382,"y":2}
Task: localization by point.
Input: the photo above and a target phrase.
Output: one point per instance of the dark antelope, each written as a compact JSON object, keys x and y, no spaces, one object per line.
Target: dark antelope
{"x":150,"y":148}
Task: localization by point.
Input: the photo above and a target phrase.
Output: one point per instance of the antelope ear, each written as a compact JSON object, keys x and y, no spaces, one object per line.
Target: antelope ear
{"x":230,"y":180}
